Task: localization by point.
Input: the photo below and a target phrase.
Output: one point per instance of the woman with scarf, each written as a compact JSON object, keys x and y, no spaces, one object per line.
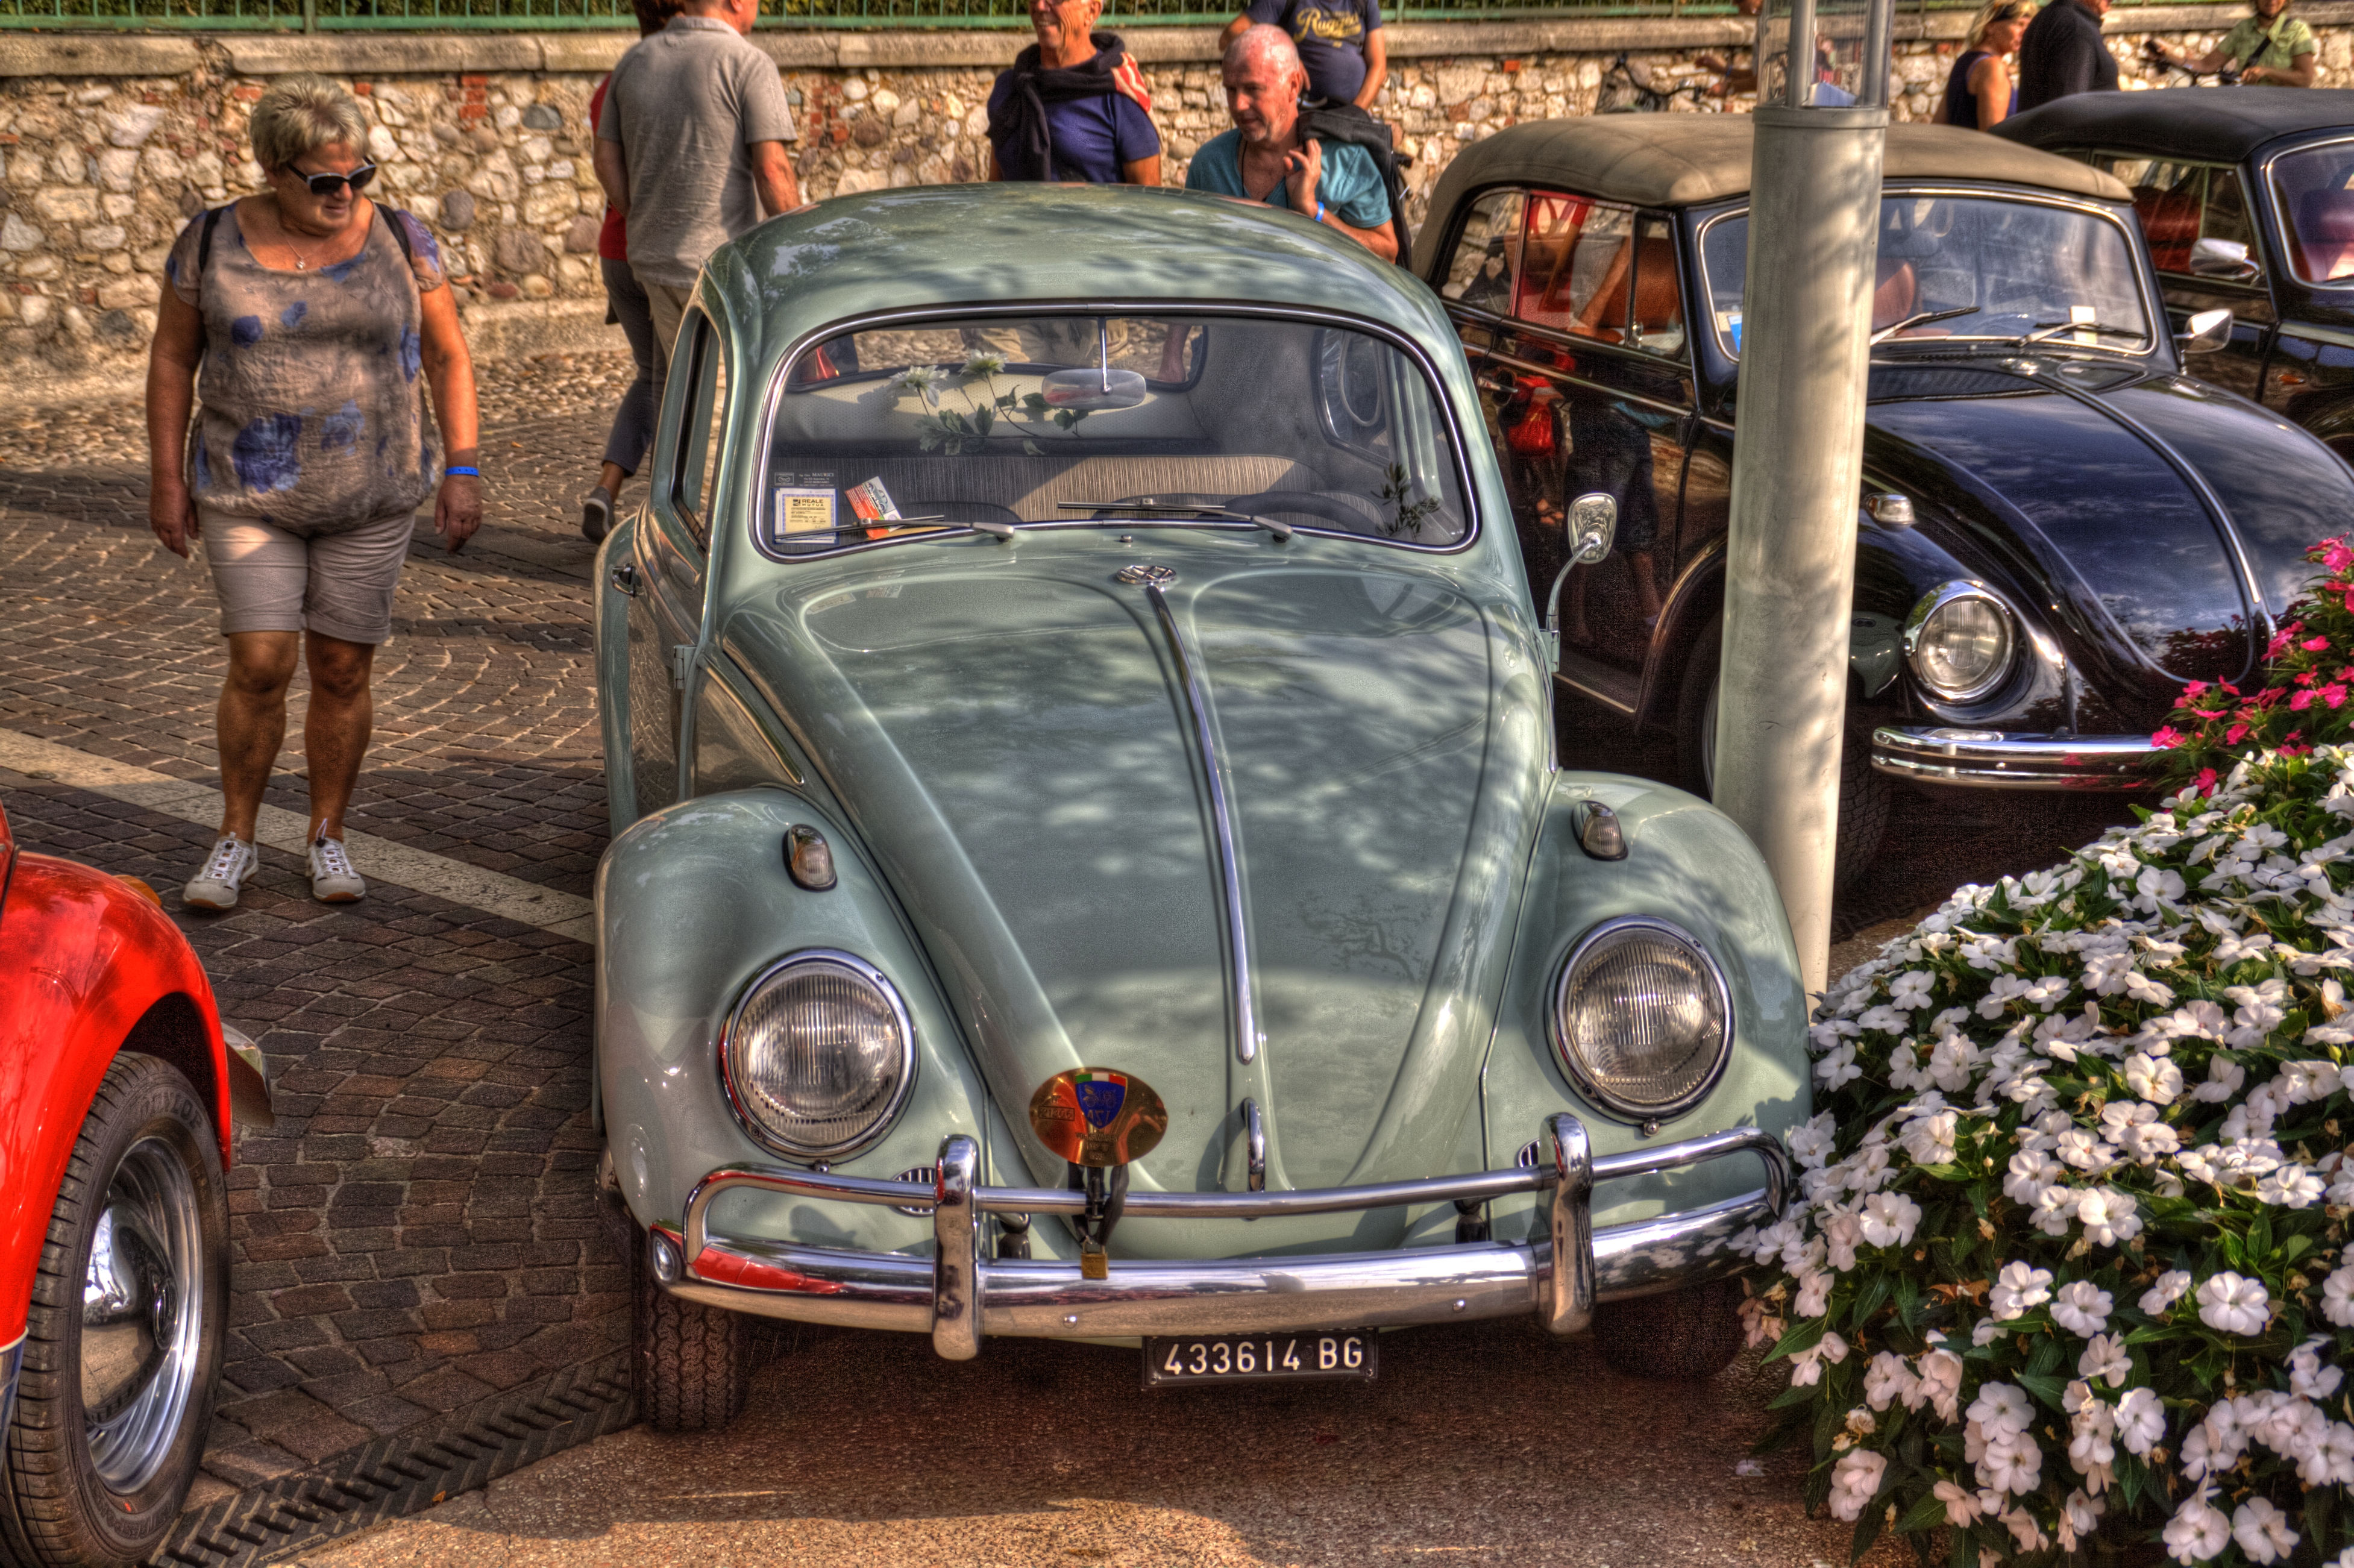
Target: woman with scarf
{"x":1074,"y":107}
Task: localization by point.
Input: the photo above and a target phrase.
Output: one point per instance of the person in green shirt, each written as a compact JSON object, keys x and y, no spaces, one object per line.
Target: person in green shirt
{"x":2270,"y":48}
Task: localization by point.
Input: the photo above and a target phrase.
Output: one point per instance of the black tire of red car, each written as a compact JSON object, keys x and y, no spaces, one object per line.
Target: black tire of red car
{"x":1865,"y":796}
{"x":695,"y":1362}
{"x":90,"y":1485}
{"x":1678,"y":1336}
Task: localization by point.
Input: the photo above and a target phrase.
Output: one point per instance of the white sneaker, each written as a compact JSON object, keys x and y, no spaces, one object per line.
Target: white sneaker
{"x":216,"y":888}
{"x":333,"y":880}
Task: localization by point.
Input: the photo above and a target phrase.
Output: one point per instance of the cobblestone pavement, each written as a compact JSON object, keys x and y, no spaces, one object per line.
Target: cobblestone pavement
{"x":418,"y":1231}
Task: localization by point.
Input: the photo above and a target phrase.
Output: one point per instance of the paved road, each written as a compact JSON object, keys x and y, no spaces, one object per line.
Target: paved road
{"x":417,"y":1233}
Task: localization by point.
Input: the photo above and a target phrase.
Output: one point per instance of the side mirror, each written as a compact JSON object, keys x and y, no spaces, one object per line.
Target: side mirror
{"x":2226,"y":259}
{"x":2205,"y":333}
{"x":1593,"y":524}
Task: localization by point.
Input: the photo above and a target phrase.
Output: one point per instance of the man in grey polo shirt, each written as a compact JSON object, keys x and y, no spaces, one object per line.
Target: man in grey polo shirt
{"x":691,"y":151}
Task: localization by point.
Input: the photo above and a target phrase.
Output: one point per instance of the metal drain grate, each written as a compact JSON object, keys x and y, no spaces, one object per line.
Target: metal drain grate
{"x":393,"y":1477}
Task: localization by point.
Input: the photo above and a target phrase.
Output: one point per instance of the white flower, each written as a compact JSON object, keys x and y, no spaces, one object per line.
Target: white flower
{"x":1806,"y":1365}
{"x":2337,"y":1298}
{"x":2308,"y":1377}
{"x":1887,"y":1380}
{"x":2291,"y":1187}
{"x":2001,"y":1407}
{"x":1929,"y":1139}
{"x":2029,"y":1174}
{"x":1837,"y":1069}
{"x":2197,"y":1532}
{"x":2263,"y":1532}
{"x":2166,"y":1292}
{"x":2141,"y":988}
{"x":2155,"y":1078}
{"x":2233,"y":1305}
{"x":1963,"y":1506}
{"x":1911,"y":991}
{"x":1885,"y":1019}
{"x":2108,"y":1216}
{"x":2013,"y":1463}
{"x":1889,"y":1219}
{"x":2018,"y":1288}
{"x":2224,"y":1079}
{"x":1941,"y":1383}
{"x":2082,"y":1307}
{"x":2105,"y":1358}
{"x":1855,"y":1480}
{"x":2141,"y":1421}
{"x":1810,"y":1144}
{"x":985,"y":365}
{"x":2085,"y":1151}
{"x":1814,"y":1294}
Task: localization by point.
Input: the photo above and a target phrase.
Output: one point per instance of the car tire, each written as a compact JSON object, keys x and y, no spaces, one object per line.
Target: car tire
{"x":695,"y":1362}
{"x":1865,"y":797}
{"x":144,"y":1188}
{"x":1678,"y":1336}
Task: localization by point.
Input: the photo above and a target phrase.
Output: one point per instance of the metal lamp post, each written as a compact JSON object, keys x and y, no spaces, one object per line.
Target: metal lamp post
{"x":1796,"y":469}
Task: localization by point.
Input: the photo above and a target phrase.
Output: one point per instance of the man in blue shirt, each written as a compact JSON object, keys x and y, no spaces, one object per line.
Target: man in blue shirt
{"x":1339,"y":44}
{"x":1265,"y":159}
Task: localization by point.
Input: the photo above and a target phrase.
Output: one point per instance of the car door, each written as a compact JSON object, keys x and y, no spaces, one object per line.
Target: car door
{"x":671,"y":547}
{"x":2204,"y":241}
{"x":1573,"y":311}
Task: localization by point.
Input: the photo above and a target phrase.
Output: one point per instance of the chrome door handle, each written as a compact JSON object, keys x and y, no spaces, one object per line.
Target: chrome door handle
{"x":625,"y":577}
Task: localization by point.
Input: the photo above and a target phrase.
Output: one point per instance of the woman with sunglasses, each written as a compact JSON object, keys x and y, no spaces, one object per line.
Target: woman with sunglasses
{"x":319,"y":319}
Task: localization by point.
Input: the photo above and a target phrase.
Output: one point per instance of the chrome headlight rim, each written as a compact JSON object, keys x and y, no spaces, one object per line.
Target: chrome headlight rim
{"x":768,"y":1137}
{"x":1581,"y":1076}
{"x":1937,"y":599}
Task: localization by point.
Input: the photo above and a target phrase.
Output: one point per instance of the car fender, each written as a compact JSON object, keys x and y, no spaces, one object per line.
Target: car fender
{"x":94,"y":968}
{"x":693,"y":902}
{"x":1687,"y":863}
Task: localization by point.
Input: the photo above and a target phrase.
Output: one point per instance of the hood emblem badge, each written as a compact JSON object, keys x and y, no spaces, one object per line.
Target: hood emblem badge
{"x":1141,"y":575}
{"x":1098,"y":1120}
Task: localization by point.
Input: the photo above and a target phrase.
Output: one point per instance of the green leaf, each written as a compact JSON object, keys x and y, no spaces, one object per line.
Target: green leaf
{"x":1908,"y":1300}
{"x":1806,"y":1336}
{"x":1927,"y":1514}
{"x":1036,"y":404}
{"x":2045,"y":1387}
{"x":1966,"y":1549}
{"x":1868,"y":1299}
{"x":1867,"y":1529}
{"x":1793,"y":1395}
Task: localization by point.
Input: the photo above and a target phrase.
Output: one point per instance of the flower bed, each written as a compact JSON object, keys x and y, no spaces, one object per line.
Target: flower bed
{"x":2074,"y":1257}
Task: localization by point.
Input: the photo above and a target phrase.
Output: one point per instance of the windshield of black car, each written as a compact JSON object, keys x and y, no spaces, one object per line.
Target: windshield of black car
{"x":2009,"y":268}
{"x":994,"y":422}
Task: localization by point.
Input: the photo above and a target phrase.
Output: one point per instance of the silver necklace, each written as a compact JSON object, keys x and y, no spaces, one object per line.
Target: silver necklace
{"x":301,"y":261}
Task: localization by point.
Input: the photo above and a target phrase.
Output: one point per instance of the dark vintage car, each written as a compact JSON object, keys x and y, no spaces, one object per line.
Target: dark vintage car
{"x":2057,"y":526}
{"x":2242,"y":193}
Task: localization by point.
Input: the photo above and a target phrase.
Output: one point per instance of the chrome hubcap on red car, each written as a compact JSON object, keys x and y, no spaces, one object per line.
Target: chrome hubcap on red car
{"x":143,"y":1313}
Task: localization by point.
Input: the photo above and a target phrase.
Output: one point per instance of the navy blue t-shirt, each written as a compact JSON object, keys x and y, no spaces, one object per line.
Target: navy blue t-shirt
{"x":1093,"y":137}
{"x":1330,"y":36}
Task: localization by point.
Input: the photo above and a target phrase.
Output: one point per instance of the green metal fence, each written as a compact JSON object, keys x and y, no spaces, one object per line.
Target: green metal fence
{"x":354,"y":15}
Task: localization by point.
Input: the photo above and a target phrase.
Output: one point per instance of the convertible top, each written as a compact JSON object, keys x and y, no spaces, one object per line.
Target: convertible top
{"x":2216,"y":124}
{"x":1680,"y":160}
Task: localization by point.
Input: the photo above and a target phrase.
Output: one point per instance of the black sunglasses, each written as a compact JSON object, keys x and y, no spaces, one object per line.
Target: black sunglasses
{"x":324,"y":185}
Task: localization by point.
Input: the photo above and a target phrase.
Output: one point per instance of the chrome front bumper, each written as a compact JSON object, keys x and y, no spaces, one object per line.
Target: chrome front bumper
{"x":958,"y":1296}
{"x":2001,"y":759}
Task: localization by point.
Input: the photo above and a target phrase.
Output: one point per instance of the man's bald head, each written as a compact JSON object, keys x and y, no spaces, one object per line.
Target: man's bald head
{"x":1264,"y":81}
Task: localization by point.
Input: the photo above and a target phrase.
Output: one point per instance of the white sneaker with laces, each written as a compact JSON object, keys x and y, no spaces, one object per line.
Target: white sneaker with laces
{"x":216,"y":888}
{"x":333,"y":880}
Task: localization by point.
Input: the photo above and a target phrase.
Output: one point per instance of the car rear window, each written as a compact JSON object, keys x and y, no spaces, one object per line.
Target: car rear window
{"x":1107,"y":421}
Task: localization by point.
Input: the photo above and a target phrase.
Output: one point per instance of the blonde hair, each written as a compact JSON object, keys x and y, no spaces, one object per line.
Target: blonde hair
{"x":301,"y":114}
{"x":1993,"y":11}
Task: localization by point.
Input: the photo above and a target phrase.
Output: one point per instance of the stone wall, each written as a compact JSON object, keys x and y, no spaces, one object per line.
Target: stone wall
{"x":109,"y":146}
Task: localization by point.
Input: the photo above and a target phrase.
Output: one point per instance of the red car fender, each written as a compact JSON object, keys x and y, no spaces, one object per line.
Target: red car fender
{"x":88,"y":966}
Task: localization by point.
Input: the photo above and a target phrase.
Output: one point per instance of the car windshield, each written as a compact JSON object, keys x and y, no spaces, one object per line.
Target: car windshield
{"x":1001,"y":422}
{"x":1982,"y":265}
{"x":2315,"y":186}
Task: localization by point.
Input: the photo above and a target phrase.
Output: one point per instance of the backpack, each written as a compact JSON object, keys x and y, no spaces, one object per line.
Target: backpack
{"x":392,"y":217}
{"x":1358,"y":128}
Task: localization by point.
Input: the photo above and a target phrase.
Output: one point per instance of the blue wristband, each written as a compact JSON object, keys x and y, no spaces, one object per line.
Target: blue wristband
{"x":469,"y":472}
{"x":1319,"y":210}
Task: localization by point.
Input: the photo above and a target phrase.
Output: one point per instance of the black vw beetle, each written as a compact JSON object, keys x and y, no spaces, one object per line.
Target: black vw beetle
{"x":2242,"y":193}
{"x":2058,"y":527}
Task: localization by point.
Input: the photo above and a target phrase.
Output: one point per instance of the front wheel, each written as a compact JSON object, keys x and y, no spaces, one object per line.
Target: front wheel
{"x":124,"y":1338}
{"x":1864,"y":798}
{"x":1678,"y":1336}
{"x":695,"y":1362}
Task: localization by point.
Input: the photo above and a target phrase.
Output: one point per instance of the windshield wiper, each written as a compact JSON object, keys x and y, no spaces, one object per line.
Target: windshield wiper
{"x":1282,"y":531}
{"x":2042,"y":330}
{"x":1923,"y":318}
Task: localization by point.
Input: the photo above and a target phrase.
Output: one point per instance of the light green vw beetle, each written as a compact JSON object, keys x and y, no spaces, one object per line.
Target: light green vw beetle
{"x":1089,"y":860}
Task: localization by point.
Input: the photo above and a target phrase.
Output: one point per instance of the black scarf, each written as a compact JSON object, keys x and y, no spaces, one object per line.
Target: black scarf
{"x":1021,"y":118}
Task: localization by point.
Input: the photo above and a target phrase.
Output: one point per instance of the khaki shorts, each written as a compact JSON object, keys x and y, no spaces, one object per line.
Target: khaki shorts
{"x":338,"y":585}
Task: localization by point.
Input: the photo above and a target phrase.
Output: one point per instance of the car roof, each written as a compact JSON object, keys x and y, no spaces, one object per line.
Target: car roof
{"x":2220,"y":124}
{"x":1682,"y":160}
{"x":1002,"y":243}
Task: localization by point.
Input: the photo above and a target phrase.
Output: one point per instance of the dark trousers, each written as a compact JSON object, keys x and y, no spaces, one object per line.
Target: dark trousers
{"x":633,"y":421}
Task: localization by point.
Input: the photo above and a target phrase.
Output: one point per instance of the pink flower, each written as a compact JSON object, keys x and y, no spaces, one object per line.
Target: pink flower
{"x":2205,"y":782}
{"x":2335,"y":555}
{"x":2195,"y":689}
{"x":2301,"y":701}
{"x":2167,"y":738}
{"x":2231,"y":737}
{"x":2314,"y":644}
{"x":2334,"y":694}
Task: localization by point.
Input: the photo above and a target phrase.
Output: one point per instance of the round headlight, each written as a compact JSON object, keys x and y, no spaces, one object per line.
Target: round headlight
{"x":818,"y":1055}
{"x":1642,"y":1017}
{"x":1959,"y":641}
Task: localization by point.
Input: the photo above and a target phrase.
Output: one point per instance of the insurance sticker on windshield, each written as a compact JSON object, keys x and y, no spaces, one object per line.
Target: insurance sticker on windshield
{"x":804,"y":511}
